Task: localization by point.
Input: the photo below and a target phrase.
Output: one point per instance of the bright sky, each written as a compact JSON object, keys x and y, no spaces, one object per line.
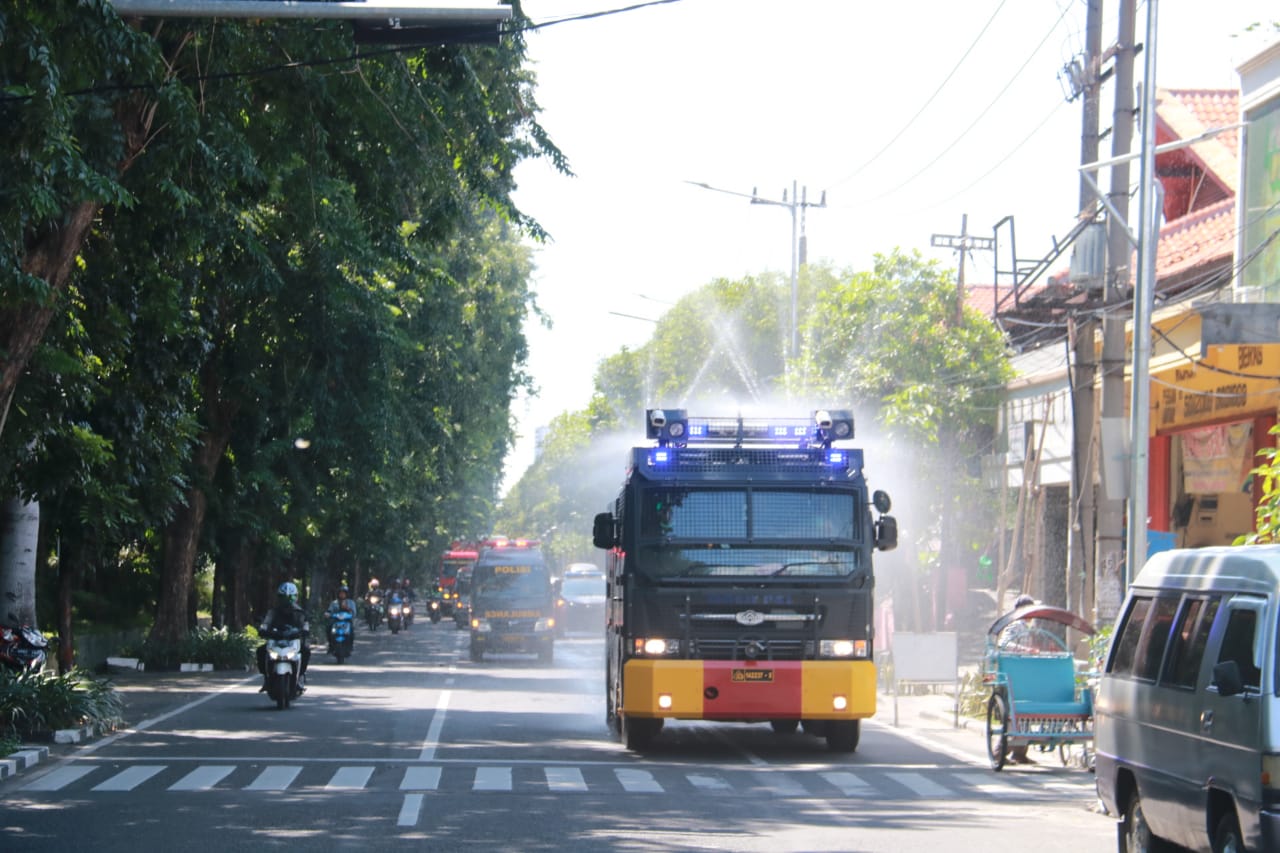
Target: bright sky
{"x":908,"y":114}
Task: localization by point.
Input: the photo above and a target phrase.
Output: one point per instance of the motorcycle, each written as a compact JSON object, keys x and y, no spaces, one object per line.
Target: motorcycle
{"x":406,"y":613}
{"x":341,"y":634}
{"x":433,"y":609}
{"x":374,"y":610}
{"x":23,"y":649}
{"x":284,"y":664}
{"x":395,"y":616}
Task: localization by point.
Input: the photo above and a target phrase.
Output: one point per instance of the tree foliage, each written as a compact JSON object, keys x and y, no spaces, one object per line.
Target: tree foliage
{"x":287,"y":337}
{"x":886,"y":342}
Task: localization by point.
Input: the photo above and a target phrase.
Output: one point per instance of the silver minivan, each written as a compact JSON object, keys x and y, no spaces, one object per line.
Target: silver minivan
{"x":1187,"y":714}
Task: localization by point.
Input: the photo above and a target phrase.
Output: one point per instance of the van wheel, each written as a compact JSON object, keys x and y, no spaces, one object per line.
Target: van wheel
{"x":1226,"y":838}
{"x":784,"y":727}
{"x":1135,"y":834}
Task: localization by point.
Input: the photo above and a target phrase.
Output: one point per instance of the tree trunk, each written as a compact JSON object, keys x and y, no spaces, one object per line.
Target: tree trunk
{"x":182,"y":534}
{"x":19,"y":545}
{"x":70,"y":571}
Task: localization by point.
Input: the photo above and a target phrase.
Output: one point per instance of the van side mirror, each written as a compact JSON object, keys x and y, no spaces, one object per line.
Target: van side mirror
{"x":602,"y":535}
{"x":1226,"y":677}
{"x":886,"y":533}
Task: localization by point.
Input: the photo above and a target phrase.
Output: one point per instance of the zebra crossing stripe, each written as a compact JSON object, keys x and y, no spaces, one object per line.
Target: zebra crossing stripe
{"x":420,"y":779}
{"x":127,"y":780}
{"x":919,"y":784}
{"x":492,"y":779}
{"x":565,"y":779}
{"x":985,"y":783}
{"x":849,"y":784}
{"x":349,"y":779}
{"x":409,"y":810}
{"x":58,"y":779}
{"x":275,"y":778}
{"x":202,"y":778}
{"x":707,"y":783}
{"x":637,"y":781}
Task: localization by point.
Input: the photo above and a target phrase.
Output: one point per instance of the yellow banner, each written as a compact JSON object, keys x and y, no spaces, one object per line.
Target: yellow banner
{"x":1233,"y":381}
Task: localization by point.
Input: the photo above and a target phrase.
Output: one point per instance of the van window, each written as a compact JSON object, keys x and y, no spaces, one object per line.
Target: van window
{"x":1155,"y":637}
{"x":1190,"y":636}
{"x":1126,"y":642}
{"x":1238,"y":644}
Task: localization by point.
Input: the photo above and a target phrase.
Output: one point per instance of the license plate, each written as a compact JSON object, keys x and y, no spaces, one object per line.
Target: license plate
{"x":749,"y":676}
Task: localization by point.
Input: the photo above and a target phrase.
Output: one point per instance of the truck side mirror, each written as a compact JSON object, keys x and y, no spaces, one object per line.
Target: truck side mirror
{"x":886,"y":533}
{"x":880,"y":500}
{"x":602,"y":531}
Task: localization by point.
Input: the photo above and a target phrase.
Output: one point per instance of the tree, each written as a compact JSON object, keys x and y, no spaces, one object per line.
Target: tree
{"x":887,"y":340}
{"x":324,"y":251}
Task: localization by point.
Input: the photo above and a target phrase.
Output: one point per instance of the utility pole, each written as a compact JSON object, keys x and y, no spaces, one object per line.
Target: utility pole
{"x":1109,"y":562}
{"x":798,"y":247}
{"x":1079,"y":580}
{"x":962,"y":243}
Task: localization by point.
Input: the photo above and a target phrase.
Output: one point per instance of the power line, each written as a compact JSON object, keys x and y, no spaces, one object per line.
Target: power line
{"x":927,"y":102}
{"x":951,"y":145}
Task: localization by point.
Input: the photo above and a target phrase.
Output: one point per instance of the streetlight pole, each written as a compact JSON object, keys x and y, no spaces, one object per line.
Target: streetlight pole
{"x":798,"y":248}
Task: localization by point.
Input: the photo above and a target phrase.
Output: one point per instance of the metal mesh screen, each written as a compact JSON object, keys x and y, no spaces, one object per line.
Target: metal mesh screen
{"x":715,"y":516}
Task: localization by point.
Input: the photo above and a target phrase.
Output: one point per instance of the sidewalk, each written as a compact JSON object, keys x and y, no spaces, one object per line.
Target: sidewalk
{"x":147,"y":697}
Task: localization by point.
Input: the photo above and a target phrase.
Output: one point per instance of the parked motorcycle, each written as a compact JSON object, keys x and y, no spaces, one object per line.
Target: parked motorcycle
{"x":395,"y":616}
{"x":374,"y":610}
{"x":284,"y":664}
{"x":341,"y":634}
{"x":23,"y":649}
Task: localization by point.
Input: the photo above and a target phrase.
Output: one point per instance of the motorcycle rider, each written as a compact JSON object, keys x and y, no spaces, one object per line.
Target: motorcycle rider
{"x":406,"y":590}
{"x":341,"y":603}
{"x":286,"y":613}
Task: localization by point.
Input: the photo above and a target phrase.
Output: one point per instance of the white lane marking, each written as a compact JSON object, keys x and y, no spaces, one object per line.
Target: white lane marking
{"x":707,"y":783}
{"x":349,"y":779}
{"x":920,"y":785}
{"x":637,"y":781}
{"x":428,"y":752}
{"x":127,"y":780}
{"x":202,"y":778}
{"x":59,"y":779}
{"x":275,"y":778}
{"x":146,"y":724}
{"x":492,"y":779}
{"x":563,"y":779}
{"x":410,"y":810}
{"x":420,"y":779}
{"x":849,"y":784}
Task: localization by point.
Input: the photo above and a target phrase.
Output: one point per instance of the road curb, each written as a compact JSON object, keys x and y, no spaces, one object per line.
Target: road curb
{"x":24,"y":759}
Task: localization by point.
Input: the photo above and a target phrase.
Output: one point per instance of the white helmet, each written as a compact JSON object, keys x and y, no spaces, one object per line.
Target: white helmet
{"x":289,"y":590}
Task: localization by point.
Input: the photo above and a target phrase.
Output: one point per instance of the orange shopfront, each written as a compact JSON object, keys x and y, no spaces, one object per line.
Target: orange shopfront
{"x":1209,"y":417}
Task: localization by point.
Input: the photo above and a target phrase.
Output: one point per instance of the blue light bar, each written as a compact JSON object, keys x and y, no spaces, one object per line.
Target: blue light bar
{"x":838,"y":458}
{"x":661,"y":456}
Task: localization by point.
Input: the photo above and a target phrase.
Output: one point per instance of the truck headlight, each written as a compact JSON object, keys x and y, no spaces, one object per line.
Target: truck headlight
{"x":656,"y":647}
{"x":481,"y":625}
{"x":843,"y":648}
{"x":545,"y":624}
